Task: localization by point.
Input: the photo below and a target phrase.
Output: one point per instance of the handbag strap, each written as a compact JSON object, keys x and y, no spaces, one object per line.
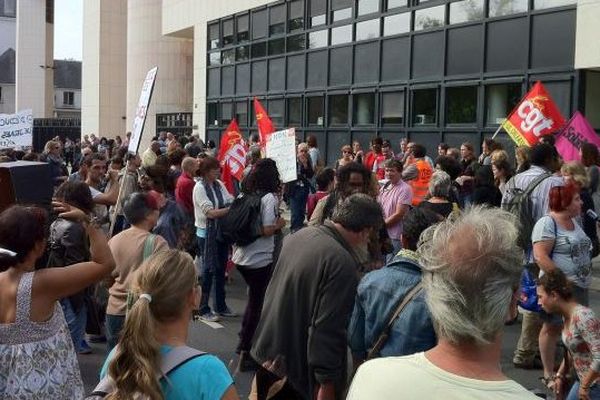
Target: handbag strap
{"x":383,"y":337}
{"x":148,"y":246}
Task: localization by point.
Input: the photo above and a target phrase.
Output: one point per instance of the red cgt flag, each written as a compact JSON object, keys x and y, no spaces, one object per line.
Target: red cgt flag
{"x":232,"y":155}
{"x":535,"y":116}
{"x":264,"y":123}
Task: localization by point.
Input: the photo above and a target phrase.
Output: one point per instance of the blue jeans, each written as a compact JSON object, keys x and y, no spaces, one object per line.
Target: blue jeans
{"x":214,"y":273}
{"x":76,"y":321}
{"x":298,"y":198}
{"x":574,"y":392}
{"x":114,"y":326}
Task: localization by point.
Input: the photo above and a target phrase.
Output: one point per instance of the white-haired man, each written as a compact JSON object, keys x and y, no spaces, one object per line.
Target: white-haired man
{"x":471,"y":279}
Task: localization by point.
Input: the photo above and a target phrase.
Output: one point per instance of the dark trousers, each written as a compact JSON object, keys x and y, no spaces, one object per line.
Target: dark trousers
{"x":114,"y":326}
{"x":264,"y":379}
{"x":298,"y":198}
{"x":257,"y":281}
{"x":214,"y":273}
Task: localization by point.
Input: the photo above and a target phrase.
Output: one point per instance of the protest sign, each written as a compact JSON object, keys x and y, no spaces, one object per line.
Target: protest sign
{"x":535,"y":116}
{"x":577,"y":131}
{"x":16,"y":130}
{"x":141,"y":111}
{"x":281,"y":147}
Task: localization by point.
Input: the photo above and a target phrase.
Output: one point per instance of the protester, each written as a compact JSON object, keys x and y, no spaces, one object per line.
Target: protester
{"x":347,"y":157}
{"x":173,"y":222}
{"x":559,"y":242}
{"x":184,"y":188}
{"x":151,"y":154}
{"x":469,"y":166}
{"x":313,"y":152}
{"x":580,"y":335}
{"x":590,"y":158}
{"x":96,"y":172}
{"x":381,"y":292}
{"x":36,"y":351}
{"x":211,"y":202}
{"x":194,"y":146}
{"x":443,"y":149}
{"x":324,"y":180}
{"x":165,"y":294}
{"x":522,"y":159}
{"x":52,"y":155}
{"x":374,"y":155}
{"x":130,"y":248}
{"x":502,"y":173}
{"x":357,"y":152}
{"x":395,"y":198}
{"x":487,"y":147}
{"x":297,"y":191}
{"x":471,"y":288}
{"x":485,"y":191}
{"x":422,"y":170}
{"x":128,"y":179}
{"x":300,"y":341}
{"x":438,"y":196}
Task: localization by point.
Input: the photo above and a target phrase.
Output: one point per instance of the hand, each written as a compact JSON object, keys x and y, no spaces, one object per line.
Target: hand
{"x":113,"y":174}
{"x":558,"y":387}
{"x":326,"y":391}
{"x":69,"y":212}
{"x":280,"y":223}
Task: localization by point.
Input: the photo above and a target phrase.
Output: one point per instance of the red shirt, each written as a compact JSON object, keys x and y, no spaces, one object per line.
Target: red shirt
{"x":312,"y":201}
{"x":184,"y":190}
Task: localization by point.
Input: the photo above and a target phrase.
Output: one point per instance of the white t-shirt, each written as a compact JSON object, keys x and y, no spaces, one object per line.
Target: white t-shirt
{"x":100,"y":210}
{"x":259,"y":253}
{"x":414,"y":377}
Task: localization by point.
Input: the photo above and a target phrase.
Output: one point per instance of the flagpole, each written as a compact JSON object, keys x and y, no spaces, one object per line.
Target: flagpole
{"x":498,"y":130}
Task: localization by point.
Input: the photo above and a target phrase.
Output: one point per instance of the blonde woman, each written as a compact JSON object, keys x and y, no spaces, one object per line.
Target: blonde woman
{"x":522,"y":158}
{"x":166,"y":294}
{"x":347,"y":157}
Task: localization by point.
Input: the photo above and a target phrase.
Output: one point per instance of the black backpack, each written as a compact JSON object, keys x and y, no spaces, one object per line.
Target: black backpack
{"x":242,"y":225}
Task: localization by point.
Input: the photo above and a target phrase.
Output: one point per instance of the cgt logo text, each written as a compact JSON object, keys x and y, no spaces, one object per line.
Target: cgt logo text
{"x":533,"y":119}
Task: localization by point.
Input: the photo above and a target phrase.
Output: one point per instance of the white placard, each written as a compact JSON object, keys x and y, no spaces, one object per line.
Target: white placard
{"x":141,"y":111}
{"x":16,"y":130}
{"x":281,"y":147}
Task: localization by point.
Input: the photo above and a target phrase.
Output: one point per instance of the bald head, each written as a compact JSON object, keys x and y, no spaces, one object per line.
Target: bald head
{"x":190,"y":166}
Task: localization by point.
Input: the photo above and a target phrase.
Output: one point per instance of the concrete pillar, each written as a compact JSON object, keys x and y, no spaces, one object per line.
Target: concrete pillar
{"x":147,"y":48}
{"x":104,"y":70}
{"x":34,"y":67}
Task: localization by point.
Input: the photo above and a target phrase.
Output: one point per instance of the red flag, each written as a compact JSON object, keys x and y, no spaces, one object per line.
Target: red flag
{"x":232,"y":155}
{"x":264,"y":123}
{"x":535,"y":116}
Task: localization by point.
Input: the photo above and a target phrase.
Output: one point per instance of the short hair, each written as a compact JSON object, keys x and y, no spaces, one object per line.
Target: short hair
{"x":343,"y":175}
{"x":324,"y":178}
{"x":311,"y":141}
{"x":116,"y":160}
{"x":90,"y":158}
{"x":560,"y":197}
{"x":138,"y":206}
{"x":472,"y":267}
{"x":176,"y":156}
{"x":443,"y":146}
{"x":50,"y":145}
{"x":453,"y":152}
{"x":419,"y":151}
{"x":548,"y":139}
{"x":449,"y":165}
{"x":543,"y":155}
{"x":188,"y":163}
{"x":208,"y":163}
{"x":358,"y":212}
{"x":589,"y":154}
{"x":377,"y":140}
{"x":439,"y":184}
{"x":76,"y":194}
{"x":556,"y":281}
{"x":577,"y":171}
{"x":415,"y":222}
{"x":392,"y":163}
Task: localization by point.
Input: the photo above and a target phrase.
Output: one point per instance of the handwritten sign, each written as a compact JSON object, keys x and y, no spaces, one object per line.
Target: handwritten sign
{"x":141,"y":111}
{"x":281,"y":147}
{"x":16,"y":130}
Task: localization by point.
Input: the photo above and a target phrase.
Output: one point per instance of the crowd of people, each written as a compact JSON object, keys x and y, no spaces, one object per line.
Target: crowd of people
{"x":412,"y":261}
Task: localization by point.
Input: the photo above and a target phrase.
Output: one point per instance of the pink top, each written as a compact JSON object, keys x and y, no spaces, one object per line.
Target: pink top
{"x":389,"y":198}
{"x":582,"y":339}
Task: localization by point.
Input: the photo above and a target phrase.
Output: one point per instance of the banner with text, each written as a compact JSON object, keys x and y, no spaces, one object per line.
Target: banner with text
{"x":281,"y":147}
{"x":577,"y":132}
{"x":141,"y":111}
{"x":535,"y":116}
{"x":16,"y":130}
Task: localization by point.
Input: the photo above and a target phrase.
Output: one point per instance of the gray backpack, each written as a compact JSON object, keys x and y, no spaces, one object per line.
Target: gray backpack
{"x":173,"y":359}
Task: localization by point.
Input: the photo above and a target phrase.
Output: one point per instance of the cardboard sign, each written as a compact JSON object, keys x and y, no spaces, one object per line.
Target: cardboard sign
{"x":16,"y":130}
{"x":141,"y":111}
{"x":281,"y":148}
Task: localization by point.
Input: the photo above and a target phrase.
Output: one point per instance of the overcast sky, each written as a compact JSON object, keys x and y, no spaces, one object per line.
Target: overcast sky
{"x":68,"y":24}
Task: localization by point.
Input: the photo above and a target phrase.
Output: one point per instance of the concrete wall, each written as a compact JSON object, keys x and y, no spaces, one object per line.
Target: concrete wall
{"x":7,"y":103}
{"x":104,"y":69}
{"x":587,"y":44}
{"x":8,"y":31}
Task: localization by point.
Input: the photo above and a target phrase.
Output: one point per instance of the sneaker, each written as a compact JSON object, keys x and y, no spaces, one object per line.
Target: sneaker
{"x":84,"y":348}
{"x":227,"y":313}
{"x":536,"y":363}
{"x":209,"y":317}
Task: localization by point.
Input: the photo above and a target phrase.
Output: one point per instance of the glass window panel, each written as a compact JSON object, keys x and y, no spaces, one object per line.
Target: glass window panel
{"x":296,"y":21}
{"x":396,"y":24}
{"x":213,"y":36}
{"x":341,"y":34}
{"x":226,"y":113}
{"x":214,"y":58}
{"x":259,"y":49}
{"x":212,"y":114}
{"x":318,"y":20}
{"x":227,"y":32}
{"x":392,"y":108}
{"x":367,"y":29}
{"x":500,"y":100}
{"x":499,"y":8}
{"x":461,"y":105}
{"x":228,"y":56}
{"x":315,"y":110}
{"x":241,"y":113}
{"x":295,"y":111}
{"x":465,"y":11}
{"x":540,"y":4}
{"x":367,"y":6}
{"x":317,"y":39}
{"x":429,"y":17}
{"x":338,"y":110}
{"x":242,"y":28}
{"x":318,"y":7}
{"x":296,"y":43}
{"x":275,"y":109}
{"x":259,"y":24}
{"x":276,"y":46}
{"x":339,"y":15}
{"x":277,"y":21}
{"x":242,"y":53}
{"x":424,"y":107}
{"x":364,"y":109}
{"x":395,"y":4}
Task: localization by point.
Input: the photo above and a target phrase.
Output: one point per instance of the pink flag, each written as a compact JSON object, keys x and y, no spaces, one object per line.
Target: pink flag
{"x":577,"y":131}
